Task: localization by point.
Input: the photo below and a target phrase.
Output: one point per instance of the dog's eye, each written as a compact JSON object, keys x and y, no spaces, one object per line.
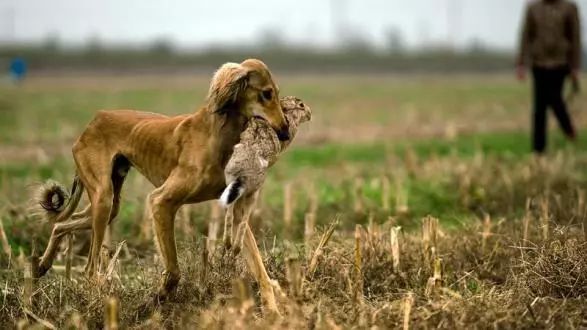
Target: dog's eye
{"x":268,"y":94}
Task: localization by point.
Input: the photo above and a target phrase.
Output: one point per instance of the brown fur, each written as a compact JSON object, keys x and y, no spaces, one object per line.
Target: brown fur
{"x":246,"y":170}
{"x":183,"y":156}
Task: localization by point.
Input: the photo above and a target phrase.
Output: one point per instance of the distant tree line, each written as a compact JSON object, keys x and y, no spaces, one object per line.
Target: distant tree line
{"x":162,"y":56}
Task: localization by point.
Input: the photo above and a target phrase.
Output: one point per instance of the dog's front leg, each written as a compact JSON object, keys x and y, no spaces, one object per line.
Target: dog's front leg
{"x":164,"y":204}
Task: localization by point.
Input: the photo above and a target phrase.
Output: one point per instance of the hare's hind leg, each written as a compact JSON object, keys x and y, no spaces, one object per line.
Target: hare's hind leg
{"x":228,"y":227}
{"x":242,"y":211}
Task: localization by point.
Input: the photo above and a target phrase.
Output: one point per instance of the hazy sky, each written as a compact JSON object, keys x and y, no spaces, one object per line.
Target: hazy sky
{"x":196,"y":23}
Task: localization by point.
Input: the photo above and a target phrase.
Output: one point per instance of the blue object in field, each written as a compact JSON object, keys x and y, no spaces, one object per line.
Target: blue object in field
{"x":18,"y":68}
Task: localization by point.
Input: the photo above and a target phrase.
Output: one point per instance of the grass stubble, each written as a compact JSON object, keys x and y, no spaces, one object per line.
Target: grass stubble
{"x":520,"y":269}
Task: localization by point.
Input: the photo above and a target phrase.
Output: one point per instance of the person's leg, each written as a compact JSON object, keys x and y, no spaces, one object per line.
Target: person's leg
{"x":540,"y":83}
{"x":558,"y":103}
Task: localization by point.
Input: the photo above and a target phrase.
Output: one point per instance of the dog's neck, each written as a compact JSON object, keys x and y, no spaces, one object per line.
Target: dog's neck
{"x":226,"y":130}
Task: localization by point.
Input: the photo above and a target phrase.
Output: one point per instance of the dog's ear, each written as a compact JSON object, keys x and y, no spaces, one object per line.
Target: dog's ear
{"x":226,"y":85}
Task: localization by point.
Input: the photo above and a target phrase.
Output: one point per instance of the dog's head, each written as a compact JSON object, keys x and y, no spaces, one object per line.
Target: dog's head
{"x":249,"y":89}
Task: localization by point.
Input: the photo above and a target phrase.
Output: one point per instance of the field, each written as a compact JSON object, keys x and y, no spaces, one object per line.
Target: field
{"x":416,"y":197}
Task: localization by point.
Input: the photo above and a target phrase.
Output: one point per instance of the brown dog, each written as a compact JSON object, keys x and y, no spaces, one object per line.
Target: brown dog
{"x":183,"y":156}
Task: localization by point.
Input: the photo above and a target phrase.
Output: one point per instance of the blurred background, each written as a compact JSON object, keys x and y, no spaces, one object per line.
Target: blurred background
{"x":374,"y":36}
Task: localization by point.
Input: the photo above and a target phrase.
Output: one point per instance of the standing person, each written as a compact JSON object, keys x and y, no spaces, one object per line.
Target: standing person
{"x":551,"y":46}
{"x":17,"y":70}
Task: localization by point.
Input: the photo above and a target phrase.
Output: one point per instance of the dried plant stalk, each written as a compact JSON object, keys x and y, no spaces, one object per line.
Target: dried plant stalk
{"x":544,"y":217}
{"x":358,"y":195}
{"x":30,"y":269}
{"x":581,"y":210}
{"x":213,"y":227}
{"x":28,"y":284}
{"x":433,"y":232}
{"x":314,"y":200}
{"x":204,"y":273}
{"x":429,"y":235}
{"x":69,"y":256}
{"x":21,"y":259}
{"x":111,"y":314}
{"x":407,"y":307}
{"x":358,"y":278}
{"x":435,"y":282}
{"x":309,"y":227}
{"x":425,"y":239}
{"x":294,"y":276}
{"x":395,"y":248}
{"x":113,"y":260}
{"x":411,"y":161}
{"x":401,"y":196}
{"x":104,"y":259}
{"x":34,"y":258}
{"x":580,"y":203}
{"x":318,"y":251}
{"x":385,"y":193}
{"x":44,"y":323}
{"x":486,"y":231}
{"x":4,"y":240}
{"x":526,"y":222}
{"x":287,"y":207}
{"x":373,"y":232}
{"x":438,"y":269}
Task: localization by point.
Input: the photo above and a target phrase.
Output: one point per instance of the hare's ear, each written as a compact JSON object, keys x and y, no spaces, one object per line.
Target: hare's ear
{"x":226,"y":86}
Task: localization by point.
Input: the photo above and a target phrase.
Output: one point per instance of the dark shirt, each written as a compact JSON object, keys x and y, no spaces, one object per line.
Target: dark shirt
{"x":551,"y":35}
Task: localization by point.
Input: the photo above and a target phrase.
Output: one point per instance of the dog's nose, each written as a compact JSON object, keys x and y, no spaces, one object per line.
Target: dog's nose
{"x":283,"y":134}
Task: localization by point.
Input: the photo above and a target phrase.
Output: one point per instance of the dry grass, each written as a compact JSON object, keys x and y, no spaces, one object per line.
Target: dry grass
{"x":505,"y":285}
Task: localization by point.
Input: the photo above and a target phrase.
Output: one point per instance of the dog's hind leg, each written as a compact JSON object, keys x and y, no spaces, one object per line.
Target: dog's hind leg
{"x":59,"y":231}
{"x":95,"y":171}
{"x":101,"y":208}
{"x":120,"y":169}
{"x":83,"y":213}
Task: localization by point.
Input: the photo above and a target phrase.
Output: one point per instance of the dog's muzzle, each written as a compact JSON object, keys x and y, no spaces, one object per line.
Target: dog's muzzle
{"x":283,"y":134}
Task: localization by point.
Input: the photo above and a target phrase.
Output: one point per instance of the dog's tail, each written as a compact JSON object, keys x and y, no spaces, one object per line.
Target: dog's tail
{"x":232,"y":192}
{"x":55,"y":203}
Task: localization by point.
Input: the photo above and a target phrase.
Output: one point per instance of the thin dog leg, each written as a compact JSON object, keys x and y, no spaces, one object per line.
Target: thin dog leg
{"x":82,"y":214}
{"x":59,"y":231}
{"x":163,"y":214}
{"x":101,"y":208}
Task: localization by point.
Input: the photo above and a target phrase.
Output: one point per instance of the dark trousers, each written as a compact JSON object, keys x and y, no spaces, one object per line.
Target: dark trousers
{"x":548,"y":92}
